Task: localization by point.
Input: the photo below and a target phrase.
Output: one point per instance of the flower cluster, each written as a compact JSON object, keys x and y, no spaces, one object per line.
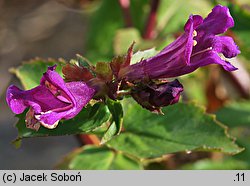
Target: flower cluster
{"x":200,"y":45}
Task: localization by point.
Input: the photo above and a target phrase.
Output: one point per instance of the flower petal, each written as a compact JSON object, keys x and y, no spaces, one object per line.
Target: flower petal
{"x":189,"y":27}
{"x":50,"y":101}
{"x":193,"y":21}
{"x":162,"y":65}
{"x":42,"y":100}
{"x":14,"y":99}
{"x":82,"y":94}
{"x":211,"y":57}
{"x":50,"y":120}
{"x":225,"y":45}
{"x":218,"y":21}
{"x":53,"y":78}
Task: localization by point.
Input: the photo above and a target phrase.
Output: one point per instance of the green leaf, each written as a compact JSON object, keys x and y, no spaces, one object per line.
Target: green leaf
{"x":111,"y":132}
{"x":104,"y":71}
{"x":235,"y":114}
{"x":145,"y":54}
{"x":184,"y":127}
{"x":224,"y":164}
{"x":124,"y":38}
{"x":115,"y":127}
{"x":243,"y":139}
{"x":116,"y":110}
{"x":98,"y":158}
{"x":31,"y":72}
{"x":89,"y":119}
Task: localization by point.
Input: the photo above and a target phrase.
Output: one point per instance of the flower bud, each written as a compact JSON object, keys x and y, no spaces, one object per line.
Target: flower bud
{"x":153,"y":96}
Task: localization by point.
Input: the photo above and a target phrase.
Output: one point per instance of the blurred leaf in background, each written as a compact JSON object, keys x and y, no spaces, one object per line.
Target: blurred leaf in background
{"x":30,"y":73}
{"x":225,"y":164}
{"x":98,"y":158}
{"x":104,"y":25}
{"x":172,"y":15}
{"x":235,"y":114}
{"x":241,"y":31}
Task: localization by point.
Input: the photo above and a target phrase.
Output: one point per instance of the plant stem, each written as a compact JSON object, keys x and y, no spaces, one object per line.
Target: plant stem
{"x":125,"y":6}
{"x":151,"y":22}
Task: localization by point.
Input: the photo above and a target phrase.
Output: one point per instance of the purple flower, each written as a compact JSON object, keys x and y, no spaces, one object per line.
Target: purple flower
{"x":198,"y":46}
{"x":51,"y":101}
{"x":153,"y":96}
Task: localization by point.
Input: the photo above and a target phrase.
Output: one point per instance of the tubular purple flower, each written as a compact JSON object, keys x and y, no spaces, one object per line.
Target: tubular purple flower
{"x":51,"y":101}
{"x":198,"y":46}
